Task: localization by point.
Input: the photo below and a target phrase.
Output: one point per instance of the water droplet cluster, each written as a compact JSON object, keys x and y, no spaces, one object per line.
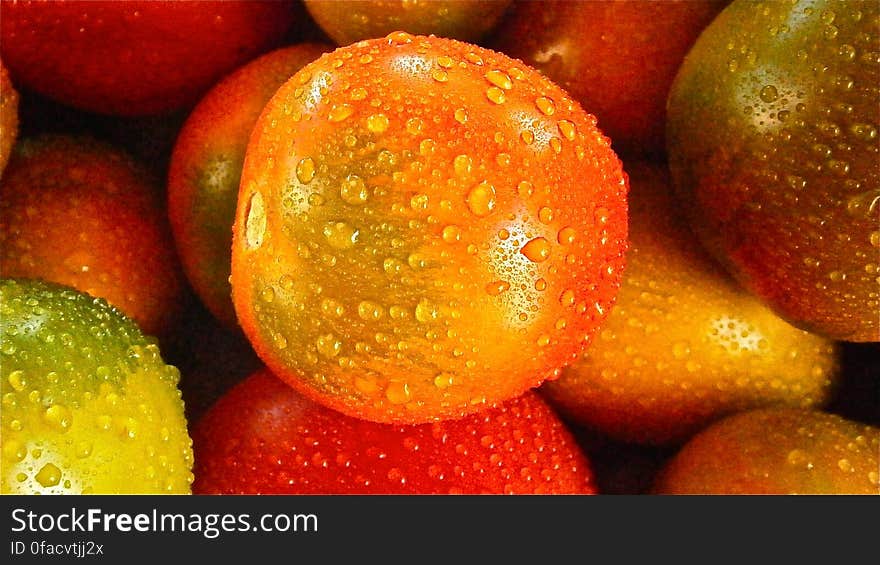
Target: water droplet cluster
{"x":448,"y":206}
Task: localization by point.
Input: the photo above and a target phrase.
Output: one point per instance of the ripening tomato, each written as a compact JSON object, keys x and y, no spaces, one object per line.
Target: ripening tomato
{"x":81,"y":213}
{"x":685,"y":344}
{"x":782,"y":451}
{"x":206,"y":169}
{"x":264,"y":438}
{"x":348,"y":21}
{"x":134,"y":58}
{"x":424,"y":228}
{"x":8,"y":117}
{"x":616,"y":57}
{"x":773,"y":146}
{"x":88,"y":404}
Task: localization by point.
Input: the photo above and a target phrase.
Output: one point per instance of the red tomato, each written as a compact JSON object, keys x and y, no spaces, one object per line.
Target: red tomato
{"x":133,"y":58}
{"x":264,"y":438}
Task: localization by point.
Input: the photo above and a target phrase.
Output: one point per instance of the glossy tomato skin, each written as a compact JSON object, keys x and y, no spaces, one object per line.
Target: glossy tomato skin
{"x":265,"y":438}
{"x":81,"y":213}
{"x":424,"y":228}
{"x":8,"y":117}
{"x":88,"y":404}
{"x":772,"y":132}
{"x":348,"y":21}
{"x":684,"y":344}
{"x":134,"y":58}
{"x":617,"y":58}
{"x":781,"y":451}
{"x":206,"y":166}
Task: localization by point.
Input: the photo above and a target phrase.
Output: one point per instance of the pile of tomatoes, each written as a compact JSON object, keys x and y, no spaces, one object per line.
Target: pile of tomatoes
{"x":450,"y":247}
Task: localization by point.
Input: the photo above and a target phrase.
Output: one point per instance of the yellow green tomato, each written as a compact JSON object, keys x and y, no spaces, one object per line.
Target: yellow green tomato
{"x":88,"y":405}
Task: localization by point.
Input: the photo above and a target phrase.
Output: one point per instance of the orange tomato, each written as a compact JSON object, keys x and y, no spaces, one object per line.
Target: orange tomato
{"x":424,"y":228}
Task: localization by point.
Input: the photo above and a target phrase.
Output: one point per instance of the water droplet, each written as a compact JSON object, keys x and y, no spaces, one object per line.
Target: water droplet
{"x":414,"y":126}
{"x":864,"y":204}
{"x":445,"y":61}
{"x":537,"y":250}
{"x":496,"y":95}
{"x":255,"y":224}
{"x":545,"y":105}
{"x":567,"y":129}
{"x":497,"y":287}
{"x":377,"y":123}
{"x":545,"y":215}
{"x":49,"y":475}
{"x":543,"y":340}
{"x":340,"y":113}
{"x":451,"y":234}
{"x":305,"y":170}
{"x":439,"y":75}
{"x":769,"y":93}
{"x":481,"y":199}
{"x":567,"y":236}
{"x":461,"y":116}
{"x":340,"y":235}
{"x":354,"y":190}
{"x":444,"y":380}
{"x":59,"y":417}
{"x":499,"y":79}
{"x":541,"y":285}
{"x":328,"y":346}
{"x":462,"y":164}
{"x":17,"y":380}
{"x":844,"y":465}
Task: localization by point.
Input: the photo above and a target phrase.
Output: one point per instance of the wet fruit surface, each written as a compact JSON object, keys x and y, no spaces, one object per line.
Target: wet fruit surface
{"x":206,"y":169}
{"x":133,"y":58}
{"x":8,"y":116}
{"x":349,"y":21}
{"x":263,"y":437}
{"x":88,"y":405}
{"x":415,"y":213}
{"x":685,"y":344}
{"x":773,"y":145}
{"x":777,"y":452}
{"x":617,"y":58}
{"x":80,"y":213}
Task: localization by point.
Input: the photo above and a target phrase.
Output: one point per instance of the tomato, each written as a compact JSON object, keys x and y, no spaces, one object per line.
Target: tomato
{"x":264,"y":438}
{"x":617,"y":58}
{"x":80,"y":213}
{"x":8,"y":117}
{"x":782,"y":451}
{"x":88,"y":404}
{"x":685,"y":344}
{"x":773,"y":124}
{"x":206,"y":169}
{"x":348,"y":21}
{"x":424,"y":228}
{"x":134,"y":58}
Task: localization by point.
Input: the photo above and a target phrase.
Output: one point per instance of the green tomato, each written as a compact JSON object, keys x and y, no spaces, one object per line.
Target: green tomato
{"x":88,"y":404}
{"x":772,"y":131}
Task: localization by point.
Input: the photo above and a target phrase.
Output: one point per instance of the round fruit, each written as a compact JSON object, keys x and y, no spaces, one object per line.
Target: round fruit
{"x":133,"y":58}
{"x":82,"y":214}
{"x":88,"y":404}
{"x":8,"y":117}
{"x":424,"y":228}
{"x":206,"y":169}
{"x":347,"y":21}
{"x":783,"y":451}
{"x":264,"y":438}
{"x":685,"y":344}
{"x":616,"y":58}
{"x":773,"y":146}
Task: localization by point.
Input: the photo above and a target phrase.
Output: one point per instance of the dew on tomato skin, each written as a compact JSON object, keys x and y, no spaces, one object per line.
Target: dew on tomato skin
{"x":537,"y":250}
{"x":545,"y":105}
{"x":461,"y":116}
{"x":340,"y":113}
{"x":567,"y":129}
{"x":49,"y":475}
{"x":500,"y":79}
{"x":496,"y":95}
{"x":481,"y":199}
